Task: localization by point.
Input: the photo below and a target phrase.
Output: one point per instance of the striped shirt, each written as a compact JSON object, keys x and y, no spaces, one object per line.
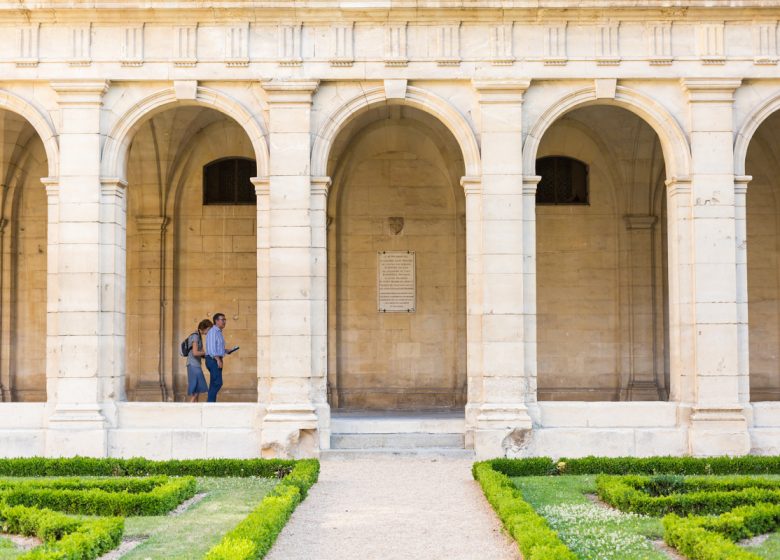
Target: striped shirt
{"x":215,"y":342}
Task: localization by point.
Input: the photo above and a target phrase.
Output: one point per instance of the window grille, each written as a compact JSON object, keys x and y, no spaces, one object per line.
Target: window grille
{"x":227,"y":181}
{"x":564,"y":181}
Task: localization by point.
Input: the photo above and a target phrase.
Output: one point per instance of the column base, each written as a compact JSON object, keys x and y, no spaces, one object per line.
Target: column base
{"x":502,"y":430}
{"x":77,"y":429}
{"x":718,"y":431}
{"x":289,"y":431}
{"x":641,"y":391}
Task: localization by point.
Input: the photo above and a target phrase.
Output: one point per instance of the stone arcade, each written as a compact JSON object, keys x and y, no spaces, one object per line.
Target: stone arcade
{"x":637,"y":314}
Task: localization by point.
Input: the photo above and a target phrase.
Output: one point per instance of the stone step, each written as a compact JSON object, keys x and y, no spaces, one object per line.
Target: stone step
{"x":436,"y":423}
{"x":436,"y":453}
{"x":411,"y":440}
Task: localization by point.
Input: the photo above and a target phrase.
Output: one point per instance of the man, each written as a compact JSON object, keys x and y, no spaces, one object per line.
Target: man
{"x":215,"y":352}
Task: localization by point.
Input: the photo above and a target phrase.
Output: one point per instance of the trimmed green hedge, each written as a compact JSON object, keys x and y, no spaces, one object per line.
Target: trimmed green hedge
{"x":65,"y":538}
{"x":96,"y":501}
{"x":750,"y":464}
{"x":256,"y":534}
{"x":537,"y":541}
{"x":697,"y":496}
{"x":133,"y":485}
{"x":714,"y":538}
{"x":90,"y":466}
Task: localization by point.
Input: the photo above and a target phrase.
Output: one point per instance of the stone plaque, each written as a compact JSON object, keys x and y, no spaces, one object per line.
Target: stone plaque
{"x":396,"y":292}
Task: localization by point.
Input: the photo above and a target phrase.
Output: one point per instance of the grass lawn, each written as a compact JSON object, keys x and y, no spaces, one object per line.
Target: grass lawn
{"x":595,"y":532}
{"x":192,"y":533}
{"x":590,"y":530}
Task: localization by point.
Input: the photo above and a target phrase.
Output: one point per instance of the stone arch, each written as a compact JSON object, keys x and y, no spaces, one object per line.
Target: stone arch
{"x":115,"y":151}
{"x":415,"y":97}
{"x":676,"y":150}
{"x":748,"y":130}
{"x":43,"y":127}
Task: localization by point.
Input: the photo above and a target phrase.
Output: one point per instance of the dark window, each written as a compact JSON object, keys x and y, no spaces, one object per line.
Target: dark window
{"x":226,"y":181}
{"x":564,"y":181}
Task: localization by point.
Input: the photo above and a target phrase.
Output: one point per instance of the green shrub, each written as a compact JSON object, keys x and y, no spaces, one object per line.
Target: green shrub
{"x":697,"y":543}
{"x":536,"y":540}
{"x":90,"y":466}
{"x":65,"y":538}
{"x":694,"y":496}
{"x":96,"y":501}
{"x":533,"y":466}
{"x":256,"y":534}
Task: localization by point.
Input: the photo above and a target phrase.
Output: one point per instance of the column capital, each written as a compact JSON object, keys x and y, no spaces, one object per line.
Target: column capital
{"x":530,"y":183}
{"x":710,"y":90}
{"x":640,"y":221}
{"x":154,"y":224}
{"x":80,"y":92}
{"x":501,"y":91}
{"x":678,"y":185}
{"x":113,"y":186}
{"x":320,"y":185}
{"x":471,"y":185}
{"x":262,"y":185}
{"x":290,"y":91}
{"x":741,"y":183}
{"x":52,"y":186}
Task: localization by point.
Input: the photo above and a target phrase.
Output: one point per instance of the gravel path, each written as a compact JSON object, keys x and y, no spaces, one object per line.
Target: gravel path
{"x":394,"y":508}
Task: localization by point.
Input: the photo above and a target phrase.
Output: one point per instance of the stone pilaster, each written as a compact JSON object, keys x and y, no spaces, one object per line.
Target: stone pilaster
{"x":153,"y":383}
{"x":640,"y":382}
{"x":718,"y":424}
{"x":530,"y":184}
{"x":89,"y":332}
{"x":263,"y":193}
{"x":290,"y":423}
{"x":743,"y":343}
{"x":503,"y":425}
{"x":319,"y":306}
{"x":472,"y":188}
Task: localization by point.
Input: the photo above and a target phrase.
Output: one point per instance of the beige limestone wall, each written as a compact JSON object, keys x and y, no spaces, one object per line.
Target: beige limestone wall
{"x":25,"y":294}
{"x":401,"y":165}
{"x":600,"y":304}
{"x":763,"y":235}
{"x":187,"y":261}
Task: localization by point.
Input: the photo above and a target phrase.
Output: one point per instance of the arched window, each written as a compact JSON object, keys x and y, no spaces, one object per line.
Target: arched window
{"x":564,"y":181}
{"x":227,"y":181}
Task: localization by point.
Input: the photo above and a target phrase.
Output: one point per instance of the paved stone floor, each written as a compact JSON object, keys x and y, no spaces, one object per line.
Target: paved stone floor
{"x":394,"y":508}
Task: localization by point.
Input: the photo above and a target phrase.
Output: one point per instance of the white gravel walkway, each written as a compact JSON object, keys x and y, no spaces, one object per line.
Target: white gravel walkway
{"x":394,"y":508}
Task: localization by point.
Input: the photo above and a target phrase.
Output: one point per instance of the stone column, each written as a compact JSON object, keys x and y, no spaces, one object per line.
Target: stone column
{"x":718,"y":424}
{"x":743,"y":341}
{"x":503,"y":425}
{"x":290,"y":422}
{"x":640,"y":383}
{"x":89,"y":333}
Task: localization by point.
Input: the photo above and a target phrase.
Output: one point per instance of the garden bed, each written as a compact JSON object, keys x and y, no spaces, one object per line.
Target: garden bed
{"x":82,"y":509}
{"x":702,"y":509}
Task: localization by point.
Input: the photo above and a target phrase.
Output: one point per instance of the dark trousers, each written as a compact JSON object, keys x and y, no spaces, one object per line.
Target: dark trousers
{"x":215,"y":378}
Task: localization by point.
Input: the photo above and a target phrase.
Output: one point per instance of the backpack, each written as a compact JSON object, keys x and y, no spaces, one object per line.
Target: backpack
{"x":185,"y":347}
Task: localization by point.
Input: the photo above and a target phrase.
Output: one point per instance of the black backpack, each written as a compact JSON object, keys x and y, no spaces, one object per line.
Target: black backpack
{"x":185,"y":347}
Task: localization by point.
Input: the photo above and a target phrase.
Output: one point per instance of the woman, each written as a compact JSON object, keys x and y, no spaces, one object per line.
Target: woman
{"x":196,"y":381}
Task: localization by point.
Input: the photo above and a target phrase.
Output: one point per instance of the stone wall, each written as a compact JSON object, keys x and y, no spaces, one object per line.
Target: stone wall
{"x":190,"y":261}
{"x":396,"y":189}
